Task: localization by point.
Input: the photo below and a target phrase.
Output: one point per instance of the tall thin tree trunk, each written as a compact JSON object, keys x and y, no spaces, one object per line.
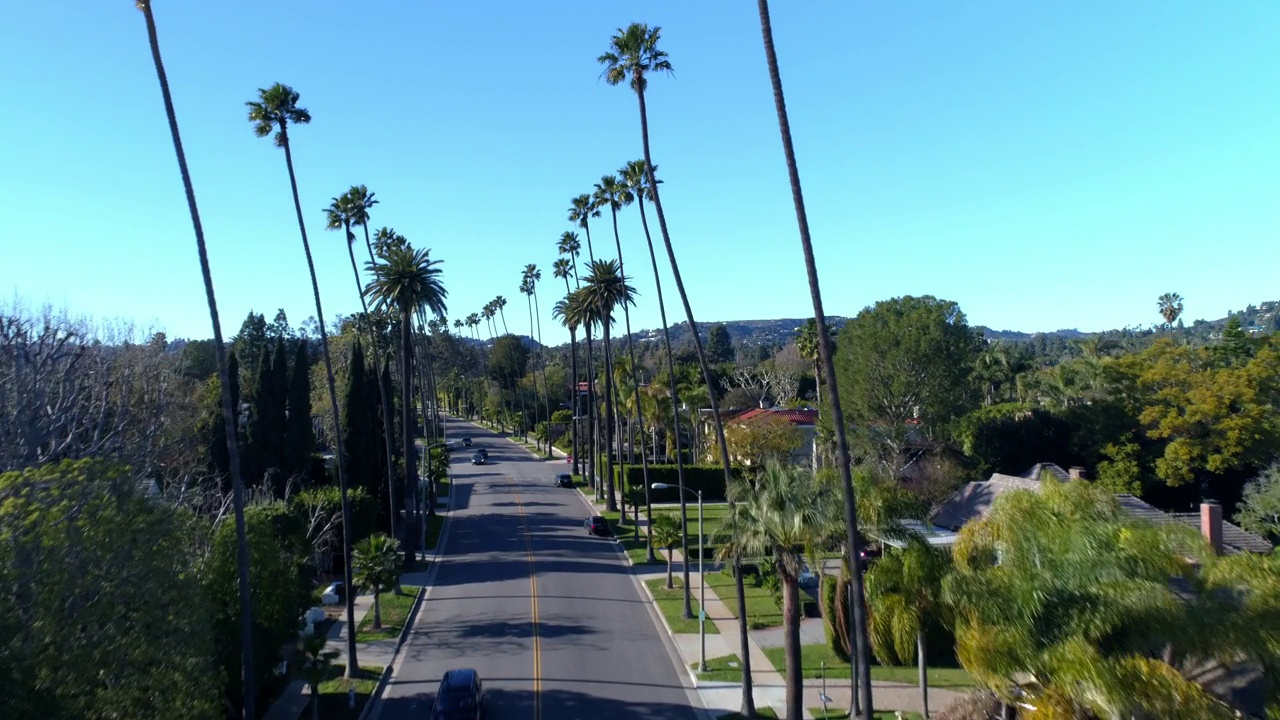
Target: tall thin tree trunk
{"x":675,"y":410}
{"x":542,"y":364}
{"x":611,"y":498}
{"x":220,"y":354}
{"x":410,"y":488}
{"x":858,"y":606}
{"x":592,"y":430}
{"x":922,"y":661}
{"x":748,"y":699}
{"x":791,"y":647}
{"x":353,"y":666}
{"x":388,"y":428}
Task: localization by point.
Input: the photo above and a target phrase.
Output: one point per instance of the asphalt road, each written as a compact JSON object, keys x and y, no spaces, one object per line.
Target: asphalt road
{"x":551,"y":618}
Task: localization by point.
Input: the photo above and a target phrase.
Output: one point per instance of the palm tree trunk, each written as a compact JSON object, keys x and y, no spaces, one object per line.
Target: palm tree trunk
{"x":377,"y":611}
{"x":791,"y":646}
{"x":220,"y":353}
{"x":573,"y":426}
{"x":353,"y":666}
{"x":528,"y":301}
{"x":670,"y":579}
{"x":406,"y":422}
{"x":748,"y":700}
{"x":387,"y":427}
{"x":675,"y":410}
{"x":858,"y":606}
{"x":315,"y":701}
{"x":542,"y":364}
{"x":425,"y":390}
{"x":592,"y":433}
{"x":923,"y":663}
{"x":611,"y":498}
{"x":635,"y":383}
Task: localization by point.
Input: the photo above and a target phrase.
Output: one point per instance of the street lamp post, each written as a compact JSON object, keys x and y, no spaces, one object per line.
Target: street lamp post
{"x":702,"y":578}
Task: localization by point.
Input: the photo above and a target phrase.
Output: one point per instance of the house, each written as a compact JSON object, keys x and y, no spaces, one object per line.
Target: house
{"x":803,"y":419}
{"x":974,"y":500}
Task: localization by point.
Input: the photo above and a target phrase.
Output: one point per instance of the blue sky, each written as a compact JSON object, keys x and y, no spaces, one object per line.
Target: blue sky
{"x":1045,"y":165}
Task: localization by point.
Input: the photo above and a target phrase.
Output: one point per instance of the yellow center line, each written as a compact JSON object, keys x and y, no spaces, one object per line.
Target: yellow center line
{"x":533,"y":588}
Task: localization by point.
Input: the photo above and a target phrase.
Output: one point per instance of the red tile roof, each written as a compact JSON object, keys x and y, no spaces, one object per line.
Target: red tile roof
{"x":795,"y":417}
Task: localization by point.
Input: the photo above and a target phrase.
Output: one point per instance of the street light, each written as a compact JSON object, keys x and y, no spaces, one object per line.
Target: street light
{"x":702,"y":578}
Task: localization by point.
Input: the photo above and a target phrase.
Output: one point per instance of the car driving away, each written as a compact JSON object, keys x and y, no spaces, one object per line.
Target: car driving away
{"x":460,"y":697}
{"x":564,"y":480}
{"x":598,"y":526}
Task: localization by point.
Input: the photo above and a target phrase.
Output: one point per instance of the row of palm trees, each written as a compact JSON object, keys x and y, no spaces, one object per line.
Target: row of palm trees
{"x":405,"y":280}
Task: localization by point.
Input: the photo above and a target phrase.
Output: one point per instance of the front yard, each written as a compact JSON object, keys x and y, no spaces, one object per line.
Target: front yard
{"x":813,"y":658}
{"x":762,"y":611}
{"x":395,"y":611}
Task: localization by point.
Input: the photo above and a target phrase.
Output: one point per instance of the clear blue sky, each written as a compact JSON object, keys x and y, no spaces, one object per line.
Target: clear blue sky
{"x":1044,"y":164}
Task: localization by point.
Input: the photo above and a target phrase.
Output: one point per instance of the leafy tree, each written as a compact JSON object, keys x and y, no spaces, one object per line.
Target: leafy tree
{"x":250,"y":343}
{"x":784,"y":509}
{"x":666,"y":531}
{"x":719,"y":346}
{"x":1043,"y":615}
{"x":1011,"y":437}
{"x":314,"y":666}
{"x":279,"y":579}
{"x":299,"y":433}
{"x":762,"y":439}
{"x":274,"y":110}
{"x":101,"y":612}
{"x":633,"y":54}
{"x":377,"y":561}
{"x":904,"y":590}
{"x":197,"y":360}
{"x":1260,"y":509}
{"x":905,"y":363}
{"x":214,"y":428}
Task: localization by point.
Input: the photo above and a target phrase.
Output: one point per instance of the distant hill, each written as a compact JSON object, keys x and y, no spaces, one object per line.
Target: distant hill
{"x":1016,"y":336}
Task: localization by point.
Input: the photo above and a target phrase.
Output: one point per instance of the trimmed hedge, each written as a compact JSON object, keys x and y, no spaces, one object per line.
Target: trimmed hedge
{"x":707,"y":478}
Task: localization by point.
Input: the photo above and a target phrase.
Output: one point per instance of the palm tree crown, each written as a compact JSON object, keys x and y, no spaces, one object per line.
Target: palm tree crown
{"x":407,"y":279}
{"x":606,"y":289}
{"x":633,"y":53}
{"x":275,"y":108}
{"x":612,"y":193}
{"x":637,"y":182}
{"x":1170,"y":306}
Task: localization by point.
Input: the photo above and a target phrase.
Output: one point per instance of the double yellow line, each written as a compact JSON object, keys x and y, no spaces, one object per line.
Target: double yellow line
{"x":533,"y":593}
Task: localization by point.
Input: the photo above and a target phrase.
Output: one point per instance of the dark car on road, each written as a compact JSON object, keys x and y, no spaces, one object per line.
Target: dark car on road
{"x":564,"y":480}
{"x":466,"y":442}
{"x":479,"y":458}
{"x":598,"y":526}
{"x":460,"y":697}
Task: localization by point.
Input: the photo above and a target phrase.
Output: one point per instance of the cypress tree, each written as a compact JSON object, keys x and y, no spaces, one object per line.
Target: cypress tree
{"x":391,"y":398}
{"x":357,"y":429}
{"x":378,"y":449}
{"x":299,"y":434}
{"x":216,"y":430}
{"x":266,"y":424}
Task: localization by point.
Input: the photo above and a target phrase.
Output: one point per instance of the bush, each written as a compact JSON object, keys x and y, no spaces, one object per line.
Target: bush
{"x":827,"y":595}
{"x":708,"y":479}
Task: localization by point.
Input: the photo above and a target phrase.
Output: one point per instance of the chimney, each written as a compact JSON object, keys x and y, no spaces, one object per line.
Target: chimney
{"x":1211,"y":524}
{"x":1076,"y":472}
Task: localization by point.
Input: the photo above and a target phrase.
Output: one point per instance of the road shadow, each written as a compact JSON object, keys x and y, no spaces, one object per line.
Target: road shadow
{"x":503,"y":702}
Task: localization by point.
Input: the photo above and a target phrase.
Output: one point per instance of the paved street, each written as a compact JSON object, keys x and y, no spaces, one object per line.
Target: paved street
{"x":553,"y":619}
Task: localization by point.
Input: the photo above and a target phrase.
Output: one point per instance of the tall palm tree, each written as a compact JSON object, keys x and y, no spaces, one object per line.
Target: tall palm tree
{"x":473,"y":322}
{"x":570,"y":247}
{"x":532,"y":276}
{"x":635,"y":177}
{"x":1170,"y":307}
{"x":275,"y":109}
{"x":500,"y":304}
{"x":352,"y":208}
{"x":220,"y":354}
{"x":615,"y":194}
{"x":605,"y":289}
{"x":857,"y":608}
{"x":314,"y":665}
{"x":581,"y":209}
{"x":905,"y":588}
{"x":633,"y":54}
{"x":578,"y":312}
{"x":781,"y":511}
{"x":406,"y":280}
{"x":562,"y":268}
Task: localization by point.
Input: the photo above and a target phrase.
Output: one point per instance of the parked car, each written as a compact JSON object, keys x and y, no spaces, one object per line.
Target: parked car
{"x":460,"y":696}
{"x":479,"y":458}
{"x":466,"y":442}
{"x":564,"y":480}
{"x":598,"y":526}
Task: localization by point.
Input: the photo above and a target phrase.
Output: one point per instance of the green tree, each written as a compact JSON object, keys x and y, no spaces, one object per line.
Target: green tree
{"x":632,"y":56}
{"x":1042,"y":615}
{"x":605,"y":290}
{"x":314,"y":666}
{"x":719,"y":346}
{"x":581,"y":210}
{"x":359,"y":428}
{"x":1170,"y":307}
{"x":760,"y":440}
{"x":274,"y":110}
{"x":101,"y":610}
{"x":405,"y":281}
{"x":299,"y":433}
{"x":376,"y":561}
{"x":904,"y":591}
{"x":666,"y":532}
{"x":530,"y":278}
{"x":1260,"y":509}
{"x":903,"y":368}
{"x":267,"y":415}
{"x":784,"y":509}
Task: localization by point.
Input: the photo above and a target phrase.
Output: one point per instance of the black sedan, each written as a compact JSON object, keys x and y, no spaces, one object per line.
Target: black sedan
{"x":479,"y":458}
{"x":564,"y":480}
{"x":466,"y":442}
{"x":598,"y":526}
{"x":460,"y":697}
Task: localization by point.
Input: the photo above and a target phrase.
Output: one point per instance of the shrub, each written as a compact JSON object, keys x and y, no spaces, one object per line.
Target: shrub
{"x":707,"y":478}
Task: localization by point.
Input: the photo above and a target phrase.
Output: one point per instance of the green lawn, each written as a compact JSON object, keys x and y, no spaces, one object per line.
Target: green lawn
{"x":333,"y":697}
{"x":671,"y":605}
{"x":435,"y":523}
{"x":762,"y":612}
{"x":720,"y":669}
{"x":813,"y":656}
{"x":761,"y":712}
{"x":835,"y":713}
{"x":395,"y":610}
